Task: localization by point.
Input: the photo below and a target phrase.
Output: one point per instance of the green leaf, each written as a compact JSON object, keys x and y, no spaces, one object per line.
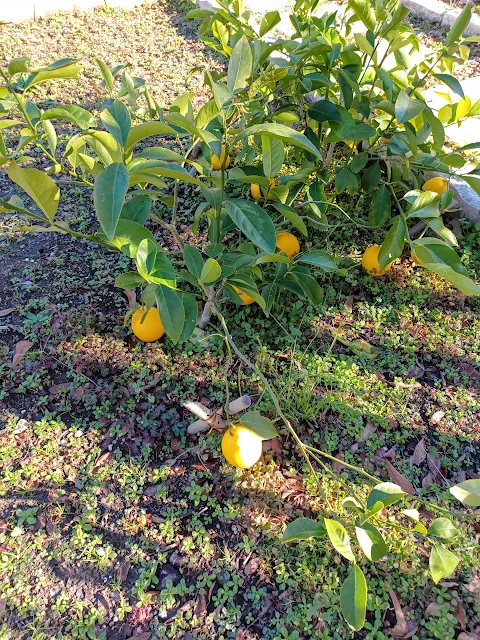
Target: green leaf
{"x":253,"y":221}
{"x":364,"y":10}
{"x":371,"y":177}
{"x":324,"y":111}
{"x":393,"y":244}
{"x":18,"y":65}
{"x":147,"y":130}
{"x":106,"y":73}
{"x":137,"y":209}
{"x":116,"y":120}
{"x":436,"y":224}
{"x":240,"y":65}
{"x":40,"y":187}
{"x":353,"y":598}
{"x":380,"y":207}
{"x":109,"y":193}
{"x":442,"y":563}
{"x":292,"y":216}
{"x":191,"y":312}
{"x":193,"y":261}
{"x":172,"y":312}
{"x":473,"y":181}
{"x":339,"y":538}
{"x":268,"y":78}
{"x":199,"y":13}
{"x":60,"y":70}
{"x":211,"y":271}
{"x":443,"y":528}
{"x":129,"y":280}
{"x":406,"y":108}
{"x":207,"y":113}
{"x":438,"y":132}
{"x":386,"y":492}
{"x":262,"y":426}
{"x":51,"y":136}
{"x":310,"y":287}
{"x":318,"y":258}
{"x":303,"y":529}
{"x":82,"y":118}
{"x":270,"y":20}
{"x":468,"y":492}
{"x":435,"y":250}
{"x":463,"y":283}
{"x":282,"y":132}
{"x":425,"y":205}
{"x":371,"y":541}
{"x":146,"y":256}
{"x":459,"y":26}
{"x":359,"y":131}
{"x":345,"y":180}
{"x":358,"y":162}
{"x":159,"y":168}
{"x":128,"y":236}
{"x":451,"y":82}
{"x":273,"y":154}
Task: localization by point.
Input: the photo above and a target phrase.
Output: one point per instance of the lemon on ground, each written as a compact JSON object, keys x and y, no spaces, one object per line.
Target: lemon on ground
{"x":217,"y":164}
{"x":244,"y":296}
{"x":370,"y":262}
{"x":287,"y":243}
{"x":241,"y":447}
{"x":256,"y":192}
{"x":151,"y":328}
{"x":438,"y":185}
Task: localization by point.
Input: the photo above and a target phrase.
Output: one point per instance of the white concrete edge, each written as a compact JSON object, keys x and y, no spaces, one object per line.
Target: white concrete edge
{"x":437,"y":11}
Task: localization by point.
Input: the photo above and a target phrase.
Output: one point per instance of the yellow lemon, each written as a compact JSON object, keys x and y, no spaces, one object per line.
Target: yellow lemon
{"x":244,"y":296}
{"x":151,"y":328}
{"x":217,"y":164}
{"x":438,"y":185}
{"x":287,"y":243}
{"x":370,"y":262}
{"x":241,"y":447}
{"x":256,"y":192}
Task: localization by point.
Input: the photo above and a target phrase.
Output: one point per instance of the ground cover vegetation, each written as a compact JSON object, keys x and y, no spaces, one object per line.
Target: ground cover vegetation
{"x":288,"y":244}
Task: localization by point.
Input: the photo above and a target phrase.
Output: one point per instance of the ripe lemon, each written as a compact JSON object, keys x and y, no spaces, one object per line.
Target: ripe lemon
{"x":151,"y":328}
{"x":241,"y":447}
{"x":217,"y":164}
{"x":438,"y":185}
{"x":370,"y":262}
{"x":256,"y":191}
{"x":287,"y":243}
{"x":244,"y":296}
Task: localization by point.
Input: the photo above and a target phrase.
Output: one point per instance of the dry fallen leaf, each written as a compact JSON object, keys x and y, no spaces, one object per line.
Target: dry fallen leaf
{"x":21,"y":349}
{"x":460,"y":615}
{"x":403,"y":629}
{"x":427,"y":481}
{"x":102,"y":460}
{"x":6,"y":312}
{"x":474,"y":585}
{"x":368,"y":430}
{"x":419,"y":453}
{"x":470,"y":635}
{"x":131,"y":297}
{"x":433,"y":606}
{"x":396,"y":477}
{"x":437,"y":416}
